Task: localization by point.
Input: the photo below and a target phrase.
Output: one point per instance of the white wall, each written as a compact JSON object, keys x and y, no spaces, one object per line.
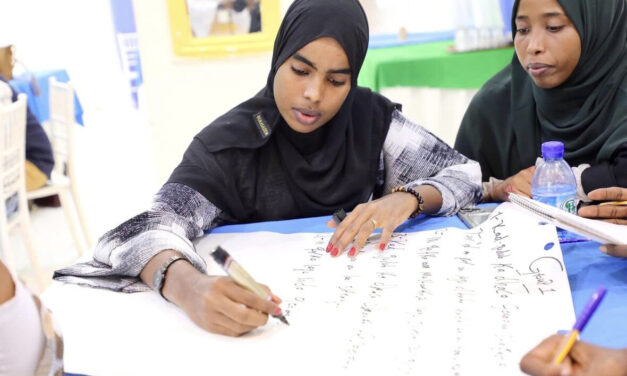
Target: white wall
{"x":416,"y":16}
{"x":75,"y":35}
{"x":184,"y":95}
{"x":115,"y":173}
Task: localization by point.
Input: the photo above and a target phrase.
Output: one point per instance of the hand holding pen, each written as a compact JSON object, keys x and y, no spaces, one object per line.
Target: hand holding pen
{"x":243,"y":279}
{"x":215,"y":303}
{"x":584,"y":359}
{"x":613,"y":209}
{"x":565,"y":355}
{"x":580,"y":324}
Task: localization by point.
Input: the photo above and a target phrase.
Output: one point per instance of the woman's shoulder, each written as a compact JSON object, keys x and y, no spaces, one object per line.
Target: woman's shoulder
{"x":248,"y":125}
{"x":497,"y":87}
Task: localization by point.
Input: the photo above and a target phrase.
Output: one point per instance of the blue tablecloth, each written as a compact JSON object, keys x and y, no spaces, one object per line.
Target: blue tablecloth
{"x":38,"y":96}
{"x":587,"y":268}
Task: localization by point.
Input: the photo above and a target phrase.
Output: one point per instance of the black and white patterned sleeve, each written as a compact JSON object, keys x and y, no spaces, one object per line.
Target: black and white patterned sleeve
{"x":178,"y":216}
{"x":413,"y":156}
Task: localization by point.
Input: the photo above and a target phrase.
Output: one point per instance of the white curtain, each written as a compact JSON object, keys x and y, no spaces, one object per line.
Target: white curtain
{"x":438,"y":110}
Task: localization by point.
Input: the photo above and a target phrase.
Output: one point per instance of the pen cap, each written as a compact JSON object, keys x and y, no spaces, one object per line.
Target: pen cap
{"x":237,"y":272}
{"x":220,"y":255}
{"x":339,"y":216}
{"x":589,"y":309}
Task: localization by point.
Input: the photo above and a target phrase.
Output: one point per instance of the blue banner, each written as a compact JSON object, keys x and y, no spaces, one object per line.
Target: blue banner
{"x":506,"y":12}
{"x":128,"y":46}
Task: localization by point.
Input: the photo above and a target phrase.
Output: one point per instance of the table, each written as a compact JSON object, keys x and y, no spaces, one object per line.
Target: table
{"x":431,"y":65}
{"x":586,"y":266}
{"x":38,"y":97}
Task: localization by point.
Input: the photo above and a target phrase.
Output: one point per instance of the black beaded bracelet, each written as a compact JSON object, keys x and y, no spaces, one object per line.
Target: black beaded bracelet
{"x":158,"y":280}
{"x":415,"y":194}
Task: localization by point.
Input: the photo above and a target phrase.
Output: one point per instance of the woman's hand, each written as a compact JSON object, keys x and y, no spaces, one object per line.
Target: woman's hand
{"x":215,"y":303}
{"x":386,"y":213}
{"x":519,"y":183}
{"x":608,"y":213}
{"x":219,"y":305}
{"x":583,"y":360}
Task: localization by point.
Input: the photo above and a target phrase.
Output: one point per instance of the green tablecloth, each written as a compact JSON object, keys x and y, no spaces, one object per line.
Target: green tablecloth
{"x":431,"y":65}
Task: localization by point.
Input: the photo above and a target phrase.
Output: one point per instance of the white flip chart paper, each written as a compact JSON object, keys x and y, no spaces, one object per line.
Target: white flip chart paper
{"x":443,"y":302}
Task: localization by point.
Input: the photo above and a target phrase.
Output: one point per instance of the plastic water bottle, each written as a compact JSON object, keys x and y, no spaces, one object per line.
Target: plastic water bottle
{"x":553,"y":182}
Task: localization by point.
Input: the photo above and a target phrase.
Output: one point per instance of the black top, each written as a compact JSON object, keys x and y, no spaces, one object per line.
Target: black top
{"x":253,"y":172}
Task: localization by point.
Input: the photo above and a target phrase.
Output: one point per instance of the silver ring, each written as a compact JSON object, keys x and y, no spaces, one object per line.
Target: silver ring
{"x":374,"y":222}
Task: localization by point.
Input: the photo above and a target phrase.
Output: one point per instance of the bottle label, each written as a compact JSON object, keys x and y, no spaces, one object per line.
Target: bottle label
{"x":569,"y":205}
{"x":566,"y":201}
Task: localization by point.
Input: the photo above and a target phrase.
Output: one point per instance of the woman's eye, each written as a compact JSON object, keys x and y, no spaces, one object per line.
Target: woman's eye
{"x":298,"y":71}
{"x":335,"y":82}
{"x":522,"y":30}
{"x":554,"y":29}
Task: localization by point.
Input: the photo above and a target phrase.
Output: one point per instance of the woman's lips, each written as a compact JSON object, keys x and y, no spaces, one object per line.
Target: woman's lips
{"x":306,"y":117}
{"x":538,"y":69}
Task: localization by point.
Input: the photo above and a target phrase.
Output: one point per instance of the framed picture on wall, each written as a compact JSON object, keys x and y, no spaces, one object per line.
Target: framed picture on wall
{"x":218,"y":28}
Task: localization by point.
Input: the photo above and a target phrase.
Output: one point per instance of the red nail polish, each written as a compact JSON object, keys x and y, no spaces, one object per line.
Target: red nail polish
{"x":335,"y":252}
{"x":381,"y":246}
{"x":329,"y":247}
{"x":277,"y":311}
{"x":352,"y":252}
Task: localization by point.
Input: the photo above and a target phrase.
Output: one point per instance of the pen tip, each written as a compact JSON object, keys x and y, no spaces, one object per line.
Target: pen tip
{"x":283,"y":319}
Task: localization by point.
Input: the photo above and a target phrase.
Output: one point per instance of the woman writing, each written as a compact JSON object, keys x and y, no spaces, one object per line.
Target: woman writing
{"x":309,"y":143}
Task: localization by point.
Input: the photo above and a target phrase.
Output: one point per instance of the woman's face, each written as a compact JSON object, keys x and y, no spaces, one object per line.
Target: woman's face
{"x":547,"y":43}
{"x":311,"y":86}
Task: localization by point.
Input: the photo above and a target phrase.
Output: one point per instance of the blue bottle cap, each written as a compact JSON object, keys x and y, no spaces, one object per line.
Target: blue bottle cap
{"x":552,"y":150}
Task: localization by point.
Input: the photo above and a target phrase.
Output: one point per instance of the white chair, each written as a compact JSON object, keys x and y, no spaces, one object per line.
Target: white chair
{"x":13,"y":180}
{"x":63,"y":178}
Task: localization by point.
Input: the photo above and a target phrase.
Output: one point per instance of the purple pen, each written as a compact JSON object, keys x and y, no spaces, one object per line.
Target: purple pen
{"x":589,"y":309}
{"x":582,"y":320}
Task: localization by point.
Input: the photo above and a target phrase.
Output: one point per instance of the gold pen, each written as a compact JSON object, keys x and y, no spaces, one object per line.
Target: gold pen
{"x":613,"y":203}
{"x":242,"y":278}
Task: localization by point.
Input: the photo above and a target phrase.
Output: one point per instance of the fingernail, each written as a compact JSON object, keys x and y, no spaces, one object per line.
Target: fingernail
{"x":335,"y":252}
{"x":381,"y":246}
{"x":603,"y":249}
{"x":329,"y":247}
{"x":277,"y":311}
{"x":352,"y":252}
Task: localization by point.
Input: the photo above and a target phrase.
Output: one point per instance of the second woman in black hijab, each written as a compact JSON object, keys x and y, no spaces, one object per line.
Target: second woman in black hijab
{"x":309,"y":143}
{"x":567,"y":82}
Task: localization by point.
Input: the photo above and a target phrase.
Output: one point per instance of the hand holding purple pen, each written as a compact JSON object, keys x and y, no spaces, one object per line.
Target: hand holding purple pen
{"x":582,"y":320}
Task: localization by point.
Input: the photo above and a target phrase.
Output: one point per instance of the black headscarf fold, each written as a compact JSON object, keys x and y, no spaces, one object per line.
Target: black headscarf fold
{"x":250,"y":164}
{"x":510,"y":116}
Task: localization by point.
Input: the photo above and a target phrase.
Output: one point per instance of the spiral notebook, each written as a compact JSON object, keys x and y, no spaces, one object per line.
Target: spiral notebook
{"x":602,"y":232}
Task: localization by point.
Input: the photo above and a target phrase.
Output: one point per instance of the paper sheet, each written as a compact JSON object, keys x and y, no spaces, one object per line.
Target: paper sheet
{"x":444,"y":302}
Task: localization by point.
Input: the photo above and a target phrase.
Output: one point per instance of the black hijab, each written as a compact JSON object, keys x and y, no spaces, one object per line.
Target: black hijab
{"x":254,"y":167}
{"x":510,"y":117}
